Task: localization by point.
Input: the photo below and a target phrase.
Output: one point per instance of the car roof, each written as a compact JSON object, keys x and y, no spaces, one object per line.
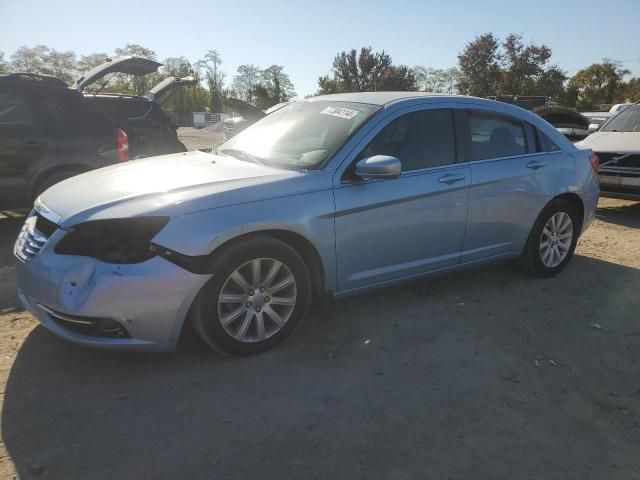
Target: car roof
{"x":379,"y":98}
{"x":33,"y":79}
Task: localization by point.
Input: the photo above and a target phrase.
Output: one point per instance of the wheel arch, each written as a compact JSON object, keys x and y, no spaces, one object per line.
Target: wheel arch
{"x":576,"y":202}
{"x":301,"y":244}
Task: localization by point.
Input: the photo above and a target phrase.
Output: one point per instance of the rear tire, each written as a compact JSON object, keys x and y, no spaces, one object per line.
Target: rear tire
{"x":239,"y":314}
{"x":552,"y":240}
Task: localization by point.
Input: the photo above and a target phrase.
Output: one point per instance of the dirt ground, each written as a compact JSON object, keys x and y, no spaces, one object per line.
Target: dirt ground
{"x":485,"y":374}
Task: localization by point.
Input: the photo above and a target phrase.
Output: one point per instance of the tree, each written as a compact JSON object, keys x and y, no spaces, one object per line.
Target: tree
{"x":213,"y":74}
{"x":436,"y":80}
{"x":479,"y":65}
{"x":61,"y":65}
{"x":488,"y":67}
{"x":4,"y":66}
{"x":245,"y":81}
{"x":631,"y":90}
{"x":181,"y":102}
{"x":277,"y":84}
{"x":136,"y":84}
{"x":599,"y":83}
{"x":31,"y":60}
{"x":87,"y":62}
{"x":365,"y":71}
{"x":550,"y":83}
{"x":523,"y":65}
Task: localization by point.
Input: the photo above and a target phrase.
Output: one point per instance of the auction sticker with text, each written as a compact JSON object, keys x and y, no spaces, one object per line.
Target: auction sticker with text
{"x":340,"y":112}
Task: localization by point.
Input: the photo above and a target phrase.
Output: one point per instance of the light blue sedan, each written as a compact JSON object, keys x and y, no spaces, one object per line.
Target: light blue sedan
{"x":331,"y":195}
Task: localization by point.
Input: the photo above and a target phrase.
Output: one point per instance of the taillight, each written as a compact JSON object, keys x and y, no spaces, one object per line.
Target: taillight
{"x":595,"y":162}
{"x":122,"y":141}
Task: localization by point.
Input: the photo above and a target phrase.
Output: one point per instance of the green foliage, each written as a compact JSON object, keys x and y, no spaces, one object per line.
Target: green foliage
{"x":45,"y":60}
{"x":4,"y":66}
{"x":599,"y":83}
{"x":631,"y":90}
{"x":211,"y":69}
{"x":479,"y":65}
{"x":488,"y":67}
{"x":365,"y":71}
{"x":245,"y":81}
{"x":436,"y":80}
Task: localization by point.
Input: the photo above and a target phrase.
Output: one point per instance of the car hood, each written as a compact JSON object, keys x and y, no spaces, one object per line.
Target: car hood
{"x":172,"y":185}
{"x":126,"y":64}
{"x":167,"y":84}
{"x":615,"y":142}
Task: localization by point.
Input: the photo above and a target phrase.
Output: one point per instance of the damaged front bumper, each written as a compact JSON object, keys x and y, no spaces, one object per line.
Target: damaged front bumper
{"x":117,"y":306}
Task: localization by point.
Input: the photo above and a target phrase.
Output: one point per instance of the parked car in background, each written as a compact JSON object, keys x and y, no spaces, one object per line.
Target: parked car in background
{"x":567,"y":121}
{"x":331,"y":195}
{"x":49,"y":132}
{"x":596,"y":119}
{"x":617,"y":145}
{"x":618,"y":107}
{"x":150,"y":130}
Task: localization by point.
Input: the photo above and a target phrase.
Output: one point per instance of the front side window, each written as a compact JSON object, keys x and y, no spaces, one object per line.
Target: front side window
{"x":15,"y":110}
{"x":300,"y":135}
{"x":494,"y":136}
{"x":419,"y":140}
{"x":628,"y":120}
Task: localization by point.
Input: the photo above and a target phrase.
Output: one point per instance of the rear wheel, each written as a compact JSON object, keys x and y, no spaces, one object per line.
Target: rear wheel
{"x":552,"y":240}
{"x":258,"y":296}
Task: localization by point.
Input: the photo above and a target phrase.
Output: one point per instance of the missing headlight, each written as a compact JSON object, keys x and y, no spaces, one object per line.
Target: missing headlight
{"x":125,"y":240}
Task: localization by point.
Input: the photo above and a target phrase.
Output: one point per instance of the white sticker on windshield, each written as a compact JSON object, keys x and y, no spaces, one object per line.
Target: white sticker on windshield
{"x":340,"y":112}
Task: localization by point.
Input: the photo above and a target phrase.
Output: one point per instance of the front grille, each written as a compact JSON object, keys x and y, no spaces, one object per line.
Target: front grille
{"x":90,"y":326}
{"x":33,"y":236}
{"x":625,"y":160}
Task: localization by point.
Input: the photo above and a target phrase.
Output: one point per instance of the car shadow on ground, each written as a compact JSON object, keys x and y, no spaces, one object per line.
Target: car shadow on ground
{"x":627,"y":214}
{"x":483,"y":374}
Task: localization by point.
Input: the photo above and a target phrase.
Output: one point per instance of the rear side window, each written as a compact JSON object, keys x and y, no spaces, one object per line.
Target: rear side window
{"x":15,"y":109}
{"x":494,"y":136}
{"x":420,"y":140}
{"x":545,"y":144}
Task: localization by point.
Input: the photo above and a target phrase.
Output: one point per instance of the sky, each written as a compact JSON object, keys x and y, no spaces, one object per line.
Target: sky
{"x":304,"y":37}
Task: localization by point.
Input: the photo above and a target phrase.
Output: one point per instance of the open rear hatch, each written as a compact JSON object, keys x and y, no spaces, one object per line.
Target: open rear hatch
{"x":128,"y":64}
{"x":168,"y":84}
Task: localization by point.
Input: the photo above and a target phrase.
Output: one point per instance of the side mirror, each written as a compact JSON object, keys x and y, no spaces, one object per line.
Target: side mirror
{"x":378,"y":166}
{"x":594,"y":127}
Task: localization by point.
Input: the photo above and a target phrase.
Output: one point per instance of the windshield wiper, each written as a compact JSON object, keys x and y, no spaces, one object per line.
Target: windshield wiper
{"x":241,"y":155}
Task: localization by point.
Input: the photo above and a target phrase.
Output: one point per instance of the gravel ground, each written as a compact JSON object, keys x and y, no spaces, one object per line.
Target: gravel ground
{"x":484,"y":374}
{"x":201,"y":138}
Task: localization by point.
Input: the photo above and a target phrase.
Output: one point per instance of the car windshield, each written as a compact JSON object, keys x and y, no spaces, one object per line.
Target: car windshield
{"x":627,"y":120}
{"x":300,"y":135}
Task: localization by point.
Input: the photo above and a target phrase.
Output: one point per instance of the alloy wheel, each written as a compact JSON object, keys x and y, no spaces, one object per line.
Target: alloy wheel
{"x":257,"y":300}
{"x":556,"y":239}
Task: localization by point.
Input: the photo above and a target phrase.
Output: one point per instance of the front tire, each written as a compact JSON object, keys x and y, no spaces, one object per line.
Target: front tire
{"x":552,"y":240}
{"x":258,"y":296}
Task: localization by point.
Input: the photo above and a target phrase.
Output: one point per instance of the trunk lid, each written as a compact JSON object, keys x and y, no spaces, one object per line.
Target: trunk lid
{"x":168,"y":84}
{"x":127,"y":64}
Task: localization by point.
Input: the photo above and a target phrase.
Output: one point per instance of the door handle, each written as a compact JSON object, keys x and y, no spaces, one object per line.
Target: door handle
{"x":535,"y":164}
{"x":451,"y":178}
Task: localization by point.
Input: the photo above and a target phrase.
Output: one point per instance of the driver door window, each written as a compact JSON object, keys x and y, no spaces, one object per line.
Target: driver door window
{"x":420,"y":140}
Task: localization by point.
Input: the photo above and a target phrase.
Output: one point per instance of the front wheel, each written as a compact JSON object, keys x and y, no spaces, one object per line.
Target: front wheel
{"x":259,"y":294}
{"x":552,"y":240}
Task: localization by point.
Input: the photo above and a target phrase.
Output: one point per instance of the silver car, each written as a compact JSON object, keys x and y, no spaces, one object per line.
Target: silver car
{"x":332,"y":195}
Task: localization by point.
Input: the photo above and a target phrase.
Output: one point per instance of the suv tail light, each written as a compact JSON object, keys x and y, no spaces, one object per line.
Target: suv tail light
{"x":595,"y":162}
{"x":122,"y":141}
